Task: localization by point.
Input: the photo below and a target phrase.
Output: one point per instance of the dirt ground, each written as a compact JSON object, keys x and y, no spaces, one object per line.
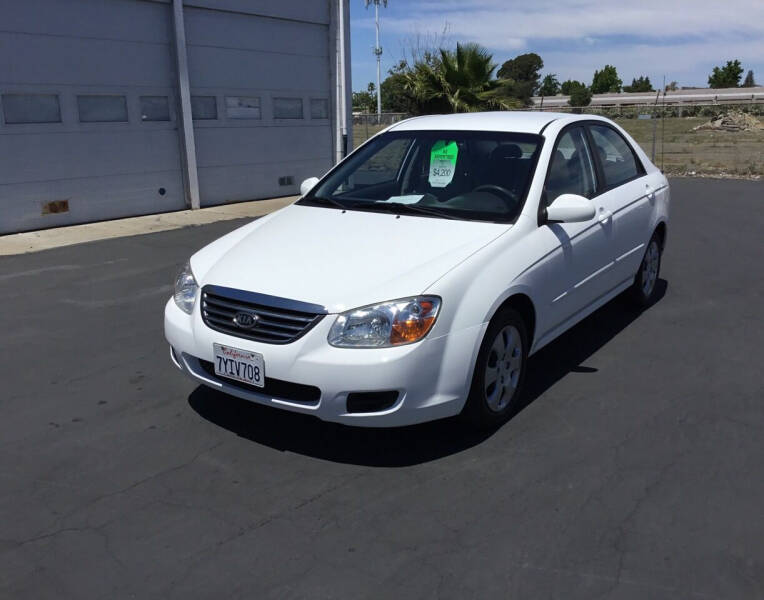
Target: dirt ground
{"x":682,"y":151}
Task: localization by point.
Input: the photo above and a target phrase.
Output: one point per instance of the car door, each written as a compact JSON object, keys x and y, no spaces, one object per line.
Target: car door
{"x":626,"y":197}
{"x":578,"y":268}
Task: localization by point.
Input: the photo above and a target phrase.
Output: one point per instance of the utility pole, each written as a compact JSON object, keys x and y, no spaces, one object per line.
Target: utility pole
{"x":341,"y":70}
{"x":377,"y":52}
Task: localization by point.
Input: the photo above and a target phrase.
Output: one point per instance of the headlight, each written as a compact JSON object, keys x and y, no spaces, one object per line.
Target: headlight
{"x":394,"y":323}
{"x":185,"y":289}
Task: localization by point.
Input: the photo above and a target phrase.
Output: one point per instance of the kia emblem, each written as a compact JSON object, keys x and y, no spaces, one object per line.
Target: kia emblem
{"x":245,"y":320}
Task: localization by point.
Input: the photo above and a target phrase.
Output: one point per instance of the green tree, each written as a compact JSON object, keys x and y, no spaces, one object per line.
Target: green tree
{"x":639,"y":85}
{"x":365,"y":101}
{"x":459,"y":81}
{"x":606,"y":81}
{"x":396,"y":97}
{"x":672,"y":86}
{"x":727,"y":76}
{"x":567,"y":86}
{"x":580,"y":95}
{"x":549,"y":86}
{"x":749,"y":82}
{"x":524,"y":70}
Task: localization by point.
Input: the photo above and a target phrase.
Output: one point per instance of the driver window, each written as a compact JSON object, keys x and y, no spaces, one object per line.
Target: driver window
{"x":571,"y":170}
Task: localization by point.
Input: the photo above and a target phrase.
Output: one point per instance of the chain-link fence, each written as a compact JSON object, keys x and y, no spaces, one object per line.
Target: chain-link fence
{"x":697,"y":139}
{"x":366,"y":125}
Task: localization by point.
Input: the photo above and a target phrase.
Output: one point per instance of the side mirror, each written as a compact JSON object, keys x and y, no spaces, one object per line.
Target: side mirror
{"x":308,"y":185}
{"x":570,"y":208}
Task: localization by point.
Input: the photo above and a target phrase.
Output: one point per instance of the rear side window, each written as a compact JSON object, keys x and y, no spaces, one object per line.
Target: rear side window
{"x":619,"y":163}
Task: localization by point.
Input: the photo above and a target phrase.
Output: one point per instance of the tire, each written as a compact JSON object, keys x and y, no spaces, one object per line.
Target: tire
{"x":502,"y":358}
{"x":643,"y":290}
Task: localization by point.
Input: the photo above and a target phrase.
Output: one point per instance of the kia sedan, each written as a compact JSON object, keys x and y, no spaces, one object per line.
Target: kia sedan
{"x":413,"y":281}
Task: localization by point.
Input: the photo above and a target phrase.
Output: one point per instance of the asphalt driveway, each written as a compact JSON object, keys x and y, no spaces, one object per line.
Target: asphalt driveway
{"x":636,"y":469}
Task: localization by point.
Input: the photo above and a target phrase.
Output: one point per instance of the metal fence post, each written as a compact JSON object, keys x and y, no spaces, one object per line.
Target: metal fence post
{"x":654,"y":114}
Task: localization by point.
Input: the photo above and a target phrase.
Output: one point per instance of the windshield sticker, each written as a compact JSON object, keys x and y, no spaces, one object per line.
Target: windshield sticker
{"x":442,"y":163}
{"x":408,"y":199}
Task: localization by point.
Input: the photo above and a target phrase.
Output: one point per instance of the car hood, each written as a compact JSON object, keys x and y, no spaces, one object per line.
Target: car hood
{"x":340,"y":260}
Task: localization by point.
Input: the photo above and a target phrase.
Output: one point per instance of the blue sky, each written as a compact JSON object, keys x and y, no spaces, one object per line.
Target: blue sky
{"x":681,"y":39}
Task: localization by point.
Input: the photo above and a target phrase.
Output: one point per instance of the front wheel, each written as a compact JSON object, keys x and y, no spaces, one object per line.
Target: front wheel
{"x":645,"y":283}
{"x":499,"y":372}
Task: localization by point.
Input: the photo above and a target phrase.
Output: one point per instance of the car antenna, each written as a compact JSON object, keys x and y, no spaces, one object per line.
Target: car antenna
{"x":663,"y":122}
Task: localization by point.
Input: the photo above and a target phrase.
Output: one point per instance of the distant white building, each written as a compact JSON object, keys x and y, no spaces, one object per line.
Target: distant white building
{"x":682,"y":96}
{"x":126,"y":107}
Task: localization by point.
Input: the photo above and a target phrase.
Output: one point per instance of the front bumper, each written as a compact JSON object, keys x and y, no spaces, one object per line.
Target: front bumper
{"x":431,"y":377}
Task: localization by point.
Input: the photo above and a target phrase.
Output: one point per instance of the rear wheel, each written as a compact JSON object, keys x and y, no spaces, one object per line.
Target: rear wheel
{"x":499,"y":371}
{"x":645,"y":283}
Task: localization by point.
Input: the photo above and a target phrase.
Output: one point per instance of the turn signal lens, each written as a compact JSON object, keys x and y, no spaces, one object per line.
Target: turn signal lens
{"x":394,"y":323}
{"x":412,"y":327}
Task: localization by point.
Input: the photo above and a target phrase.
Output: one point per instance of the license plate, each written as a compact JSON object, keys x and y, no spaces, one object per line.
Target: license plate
{"x":241,"y":365}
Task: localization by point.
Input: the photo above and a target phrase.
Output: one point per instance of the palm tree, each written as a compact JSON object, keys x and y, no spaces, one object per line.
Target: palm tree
{"x":460,"y":81}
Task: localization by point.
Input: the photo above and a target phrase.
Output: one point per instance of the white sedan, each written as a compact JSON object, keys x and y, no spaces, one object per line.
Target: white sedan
{"x":416,"y":278}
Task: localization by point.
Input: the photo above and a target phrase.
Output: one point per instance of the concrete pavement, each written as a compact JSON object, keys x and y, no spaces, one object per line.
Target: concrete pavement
{"x":45,"y":239}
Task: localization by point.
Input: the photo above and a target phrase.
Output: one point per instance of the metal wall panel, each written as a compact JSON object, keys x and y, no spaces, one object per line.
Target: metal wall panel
{"x":104,"y":170}
{"x":310,"y":11}
{"x":268,"y":49}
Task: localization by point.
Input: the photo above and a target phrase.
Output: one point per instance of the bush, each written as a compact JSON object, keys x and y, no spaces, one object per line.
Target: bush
{"x":580,"y":96}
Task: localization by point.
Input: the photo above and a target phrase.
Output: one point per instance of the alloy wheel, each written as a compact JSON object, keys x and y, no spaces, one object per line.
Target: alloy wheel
{"x":503,"y":368}
{"x":650,"y":266}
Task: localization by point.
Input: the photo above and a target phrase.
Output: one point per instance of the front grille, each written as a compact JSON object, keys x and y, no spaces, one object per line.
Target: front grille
{"x":277,"y":320}
{"x":276,"y":388}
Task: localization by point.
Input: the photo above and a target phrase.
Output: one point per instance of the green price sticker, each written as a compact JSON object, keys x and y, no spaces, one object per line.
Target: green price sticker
{"x":442,"y":163}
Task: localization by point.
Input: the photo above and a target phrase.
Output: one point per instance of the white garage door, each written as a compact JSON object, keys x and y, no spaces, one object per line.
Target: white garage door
{"x":87,"y":112}
{"x":261,"y":97}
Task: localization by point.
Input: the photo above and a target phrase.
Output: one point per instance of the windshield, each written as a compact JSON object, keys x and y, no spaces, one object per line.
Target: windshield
{"x":470,"y":175}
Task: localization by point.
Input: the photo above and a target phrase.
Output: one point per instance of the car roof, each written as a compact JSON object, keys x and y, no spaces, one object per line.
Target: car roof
{"x":509,"y":121}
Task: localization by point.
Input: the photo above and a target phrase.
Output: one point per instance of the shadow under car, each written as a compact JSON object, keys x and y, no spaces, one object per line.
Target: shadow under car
{"x":415,"y":444}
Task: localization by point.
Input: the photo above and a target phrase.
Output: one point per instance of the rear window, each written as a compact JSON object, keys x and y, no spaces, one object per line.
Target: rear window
{"x":619,"y":163}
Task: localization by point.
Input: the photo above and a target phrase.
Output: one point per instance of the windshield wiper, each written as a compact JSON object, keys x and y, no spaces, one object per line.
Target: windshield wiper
{"x":401,"y":207}
{"x":328,"y":200}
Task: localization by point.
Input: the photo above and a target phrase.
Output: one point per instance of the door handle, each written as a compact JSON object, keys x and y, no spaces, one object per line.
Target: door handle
{"x":649,"y":192}
{"x":604,"y":215}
